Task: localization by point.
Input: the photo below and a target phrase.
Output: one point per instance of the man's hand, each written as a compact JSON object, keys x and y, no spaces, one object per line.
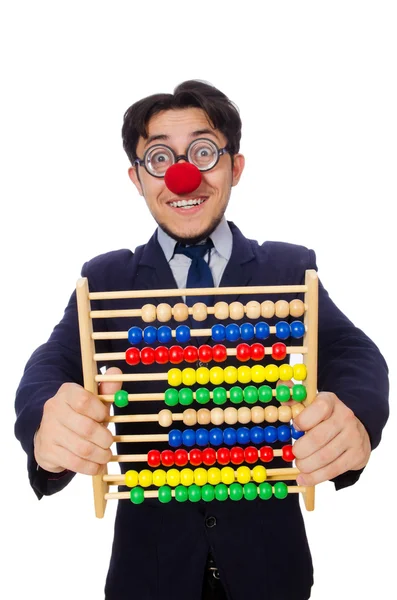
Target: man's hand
{"x":71,"y":434}
{"x":335,"y":440}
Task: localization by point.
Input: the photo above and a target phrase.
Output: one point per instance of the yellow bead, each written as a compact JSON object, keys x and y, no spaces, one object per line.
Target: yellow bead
{"x":214,"y":475}
{"x":243,"y":474}
{"x":174,"y":377}
{"x":188,"y":376}
{"x":145,"y":478}
{"x":186,"y":476}
{"x":230,"y":374}
{"x":244,"y":374}
{"x":173,"y":477}
{"x":216,"y":375}
{"x":202,"y":375}
{"x":131,"y":478}
{"x":271,"y":373}
{"x":258,"y":374}
{"x":200,"y":476}
{"x":286,"y":372}
{"x":300,"y":372}
{"x":159,"y":477}
{"x":259,"y":474}
{"x":227,"y":475}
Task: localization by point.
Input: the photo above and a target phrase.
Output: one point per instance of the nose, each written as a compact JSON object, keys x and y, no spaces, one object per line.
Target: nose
{"x":182,"y":178}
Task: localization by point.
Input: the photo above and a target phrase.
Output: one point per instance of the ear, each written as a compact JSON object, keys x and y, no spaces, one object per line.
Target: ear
{"x":238,"y":168}
{"x":133,"y":175}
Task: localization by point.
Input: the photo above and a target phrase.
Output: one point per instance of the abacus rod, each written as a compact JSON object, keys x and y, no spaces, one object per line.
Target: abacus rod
{"x":279,"y":473}
{"x":159,"y":396}
{"x":292,"y":489}
{"x":143,"y":457}
{"x":143,"y":437}
{"x":132,"y":377}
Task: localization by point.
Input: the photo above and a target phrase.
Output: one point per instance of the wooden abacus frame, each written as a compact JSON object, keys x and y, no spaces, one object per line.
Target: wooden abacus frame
{"x":101,"y":483}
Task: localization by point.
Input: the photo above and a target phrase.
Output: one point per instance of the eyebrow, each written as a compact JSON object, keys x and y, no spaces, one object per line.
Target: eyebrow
{"x":164,"y":138}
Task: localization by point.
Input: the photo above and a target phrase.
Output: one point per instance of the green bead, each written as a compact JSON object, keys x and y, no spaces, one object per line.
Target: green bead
{"x":202,"y":395}
{"x":219,"y":395}
{"x":265,"y":393}
{"x":280,"y":490}
{"x":250,"y":491}
{"x":171,"y":397}
{"x":265,"y":491}
{"x":121,"y":398}
{"x":236,"y":394}
{"x":283,"y":393}
{"x":236,"y":491}
{"x":165,"y":494}
{"x":207,"y":492}
{"x":137,"y":495}
{"x":186,"y":396}
{"x":194,"y":493}
{"x":181,"y":493}
{"x":221,"y":492}
{"x":299,"y":392}
{"x":251,"y":394}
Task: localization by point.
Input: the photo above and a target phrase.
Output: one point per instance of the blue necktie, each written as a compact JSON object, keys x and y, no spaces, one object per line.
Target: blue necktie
{"x":199,"y":274}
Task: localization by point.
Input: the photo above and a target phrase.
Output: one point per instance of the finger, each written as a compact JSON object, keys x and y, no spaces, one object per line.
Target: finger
{"x":87,"y":428}
{"x":320,"y":410}
{"x":64,"y":457}
{"x":339,"y":466}
{"x":83,"y":402}
{"x":111,"y":387}
{"x":324,"y":456}
{"x":317,"y":438}
{"x":82,"y":448}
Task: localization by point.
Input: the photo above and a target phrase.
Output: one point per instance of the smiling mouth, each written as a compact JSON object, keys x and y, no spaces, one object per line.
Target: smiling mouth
{"x":189,"y":203}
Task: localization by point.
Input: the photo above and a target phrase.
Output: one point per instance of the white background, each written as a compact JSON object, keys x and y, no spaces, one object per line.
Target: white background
{"x":315,"y":83}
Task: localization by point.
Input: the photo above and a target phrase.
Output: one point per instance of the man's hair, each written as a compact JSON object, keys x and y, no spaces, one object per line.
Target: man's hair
{"x":221,"y":112}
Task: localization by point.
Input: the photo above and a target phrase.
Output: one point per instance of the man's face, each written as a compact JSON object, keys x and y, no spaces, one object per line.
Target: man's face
{"x":177,"y":129}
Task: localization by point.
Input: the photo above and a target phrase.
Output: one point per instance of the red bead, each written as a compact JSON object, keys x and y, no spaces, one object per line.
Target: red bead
{"x":209,"y":456}
{"x":243,"y":352}
{"x":223,"y":456}
{"x":205,"y":353}
{"x":147,"y":356}
{"x":257,"y":351}
{"x":161,"y":355}
{"x":219,"y":353}
{"x":279,"y":351}
{"x":190,"y":354}
{"x":181,"y":457}
{"x":237,"y":455}
{"x":266,"y":453}
{"x":167,"y":458}
{"x":288,"y":453}
{"x":175,"y":355}
{"x":251,"y":454}
{"x":195,"y":457}
{"x":153,"y":458}
{"x":132,"y":356}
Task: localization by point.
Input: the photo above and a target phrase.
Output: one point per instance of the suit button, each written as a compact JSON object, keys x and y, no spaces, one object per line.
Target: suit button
{"x":210,"y":522}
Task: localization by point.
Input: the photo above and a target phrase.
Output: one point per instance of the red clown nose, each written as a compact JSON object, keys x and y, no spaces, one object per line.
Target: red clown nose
{"x":182,"y":178}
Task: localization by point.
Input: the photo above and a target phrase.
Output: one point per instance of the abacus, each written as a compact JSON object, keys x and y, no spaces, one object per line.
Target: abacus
{"x":211,"y":459}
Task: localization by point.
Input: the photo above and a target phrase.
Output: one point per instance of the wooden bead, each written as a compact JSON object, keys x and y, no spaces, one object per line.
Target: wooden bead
{"x":257,"y":414}
{"x":148,"y":313}
{"x":180,"y":312}
{"x":271,"y":414}
{"x":203,"y":416}
{"x":231,"y":415}
{"x":244,"y":415}
{"x":253,"y":309}
{"x":284,"y":414}
{"x":221,"y":310}
{"x":199,"y":311}
{"x":164,"y":312}
{"x":296,"y":308}
{"x":189,"y":417}
{"x":165,"y":418}
{"x":217,"y":416}
{"x":236,"y":311}
{"x":296,"y":410}
{"x":282,"y":309}
{"x":267,"y":309}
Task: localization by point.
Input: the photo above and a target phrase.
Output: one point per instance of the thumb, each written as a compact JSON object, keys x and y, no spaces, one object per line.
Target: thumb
{"x":111,"y":387}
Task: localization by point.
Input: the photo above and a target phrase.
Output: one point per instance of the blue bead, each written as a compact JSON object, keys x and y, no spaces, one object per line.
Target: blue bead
{"x":284,"y":433}
{"x":262,"y":330}
{"x":189,"y":437}
{"x":297,"y":329}
{"x":270,"y":434}
{"x":247,"y":331}
{"x":229,"y":436}
{"x":296,"y":434}
{"x":243,"y":435}
{"x":175,"y":438}
{"x":150,"y":334}
{"x":202,"y":437}
{"x":257,"y":435}
{"x":283,"y":330}
{"x":218,"y":333}
{"x":164,"y":334}
{"x":232,"y":332}
{"x":216,"y":436}
{"x":182,"y":334}
{"x":135,"y":335}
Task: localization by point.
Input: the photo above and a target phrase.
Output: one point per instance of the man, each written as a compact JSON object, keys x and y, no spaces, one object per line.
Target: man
{"x":219,"y":550}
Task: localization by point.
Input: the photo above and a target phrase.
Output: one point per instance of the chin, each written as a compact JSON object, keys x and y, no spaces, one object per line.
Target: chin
{"x":191,"y":237}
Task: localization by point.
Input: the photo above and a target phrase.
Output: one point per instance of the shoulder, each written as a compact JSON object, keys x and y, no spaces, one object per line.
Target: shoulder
{"x":108,"y":271}
{"x":286,"y":252}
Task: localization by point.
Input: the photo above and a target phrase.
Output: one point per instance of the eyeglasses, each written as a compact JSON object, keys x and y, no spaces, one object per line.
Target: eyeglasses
{"x":202,"y":153}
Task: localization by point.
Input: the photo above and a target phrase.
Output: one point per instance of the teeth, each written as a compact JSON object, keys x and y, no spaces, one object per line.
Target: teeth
{"x":187,"y":203}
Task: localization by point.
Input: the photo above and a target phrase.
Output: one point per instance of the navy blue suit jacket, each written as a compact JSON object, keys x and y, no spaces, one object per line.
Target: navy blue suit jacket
{"x":260,"y":547}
